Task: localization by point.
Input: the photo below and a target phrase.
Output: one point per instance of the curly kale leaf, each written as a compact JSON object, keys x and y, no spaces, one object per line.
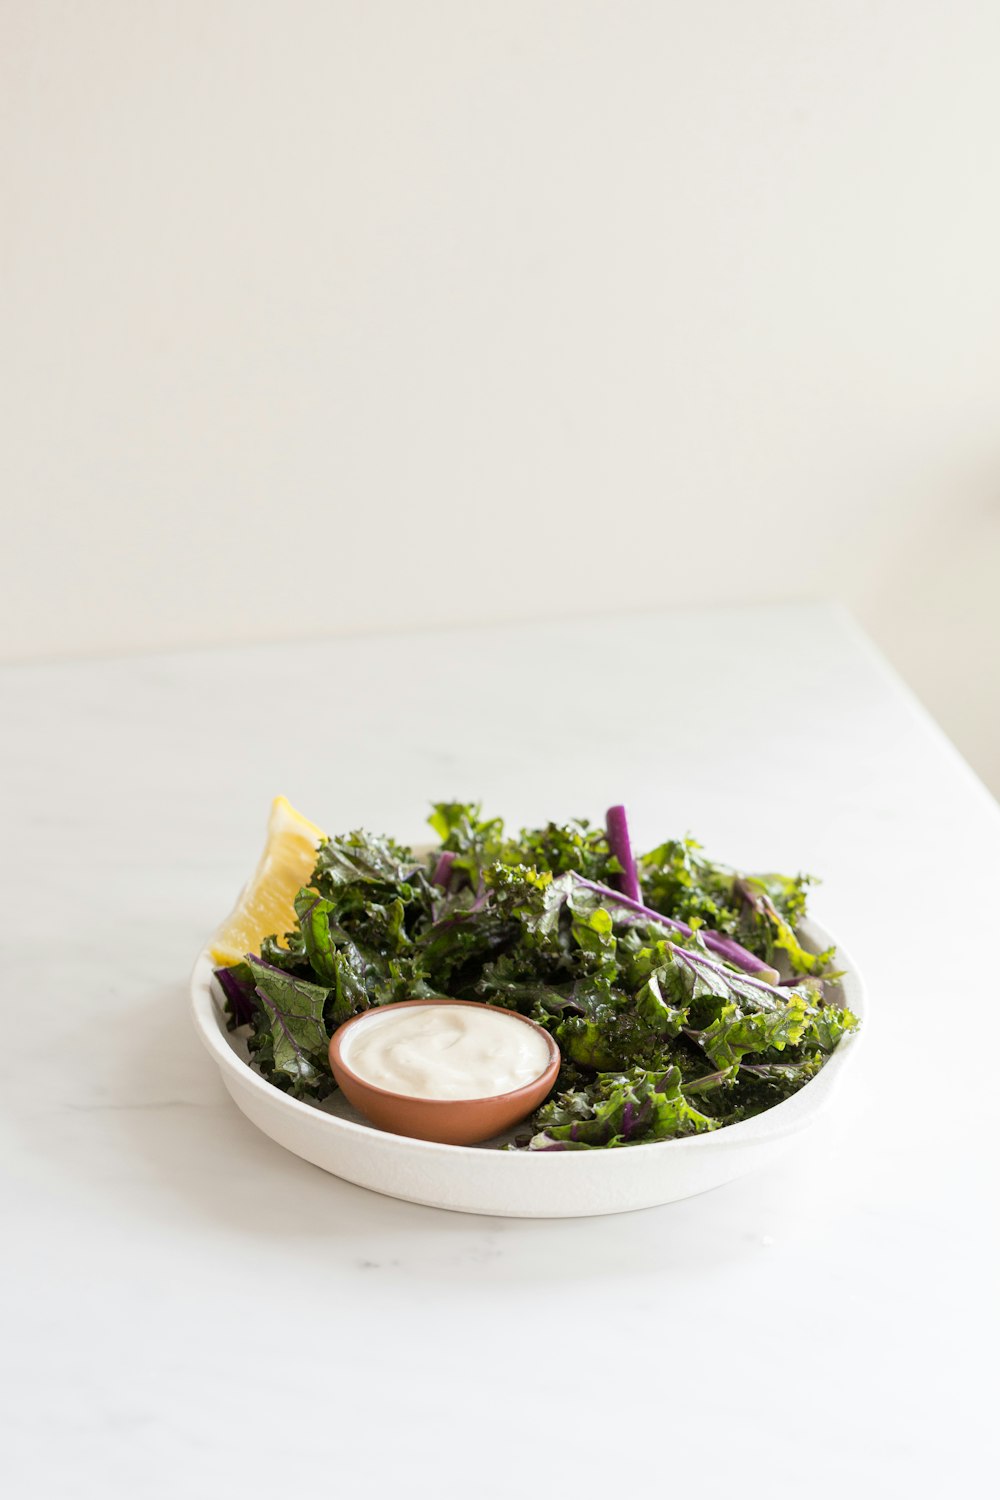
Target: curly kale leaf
{"x":567,"y":848}
{"x":474,"y":841}
{"x":733,"y":1033}
{"x":557,"y":849}
{"x":617,"y":1110}
{"x":677,"y":880}
{"x":758,"y":911}
{"x":360,"y":859}
{"x":826,"y":1024}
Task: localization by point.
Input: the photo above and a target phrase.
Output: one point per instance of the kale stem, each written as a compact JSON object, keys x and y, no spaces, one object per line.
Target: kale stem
{"x":724,"y":947}
{"x":620,"y":845}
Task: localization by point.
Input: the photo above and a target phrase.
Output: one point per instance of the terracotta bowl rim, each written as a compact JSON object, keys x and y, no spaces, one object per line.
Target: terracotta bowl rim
{"x":337,"y":1060}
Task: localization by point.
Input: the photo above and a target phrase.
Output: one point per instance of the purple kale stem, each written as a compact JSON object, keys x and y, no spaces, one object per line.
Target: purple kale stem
{"x":724,"y":947}
{"x":742,"y":958}
{"x":621,"y":847}
{"x":687,"y":956}
{"x":442,"y":870}
{"x":708,"y":1080}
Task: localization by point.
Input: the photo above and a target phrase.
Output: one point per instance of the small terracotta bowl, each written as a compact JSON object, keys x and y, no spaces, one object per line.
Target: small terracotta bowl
{"x":454,"y":1122}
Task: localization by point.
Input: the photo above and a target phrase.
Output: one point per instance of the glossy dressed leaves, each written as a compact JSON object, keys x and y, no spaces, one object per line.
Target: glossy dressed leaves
{"x":660,"y":1036}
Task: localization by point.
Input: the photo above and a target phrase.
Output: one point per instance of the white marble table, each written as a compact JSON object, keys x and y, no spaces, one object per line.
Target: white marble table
{"x":189,"y":1311}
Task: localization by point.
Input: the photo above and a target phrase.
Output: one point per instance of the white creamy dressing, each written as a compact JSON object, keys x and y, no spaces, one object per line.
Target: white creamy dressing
{"x":446,"y":1051}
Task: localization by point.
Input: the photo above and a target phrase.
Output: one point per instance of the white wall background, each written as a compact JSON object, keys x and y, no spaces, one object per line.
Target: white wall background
{"x":326,"y":316}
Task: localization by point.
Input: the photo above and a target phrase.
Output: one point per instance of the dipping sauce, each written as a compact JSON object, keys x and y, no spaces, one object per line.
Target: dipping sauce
{"x":446,"y":1051}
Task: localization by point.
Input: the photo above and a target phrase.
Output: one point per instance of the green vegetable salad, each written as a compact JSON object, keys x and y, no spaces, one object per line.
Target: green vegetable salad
{"x":677,"y":989}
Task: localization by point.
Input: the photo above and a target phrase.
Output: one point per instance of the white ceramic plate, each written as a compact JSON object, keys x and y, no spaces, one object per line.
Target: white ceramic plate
{"x":486,"y":1180}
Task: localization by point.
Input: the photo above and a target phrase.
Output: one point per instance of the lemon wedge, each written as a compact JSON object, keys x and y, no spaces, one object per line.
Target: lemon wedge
{"x":267,"y":901}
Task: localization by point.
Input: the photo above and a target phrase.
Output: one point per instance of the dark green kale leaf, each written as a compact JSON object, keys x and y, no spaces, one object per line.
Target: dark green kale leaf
{"x":473,"y":840}
{"x":677,"y":880}
{"x":289,"y":955}
{"x":360,"y":859}
{"x":566,"y":848}
{"x":757,"y":1086}
{"x":290,"y":1038}
{"x":557,"y":849}
{"x":314,"y":914}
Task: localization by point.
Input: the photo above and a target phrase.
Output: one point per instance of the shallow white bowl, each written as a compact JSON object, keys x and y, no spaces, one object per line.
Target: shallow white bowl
{"x":485,"y":1180}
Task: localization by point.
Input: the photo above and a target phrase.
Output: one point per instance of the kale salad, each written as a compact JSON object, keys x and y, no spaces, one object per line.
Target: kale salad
{"x":677,"y":989}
